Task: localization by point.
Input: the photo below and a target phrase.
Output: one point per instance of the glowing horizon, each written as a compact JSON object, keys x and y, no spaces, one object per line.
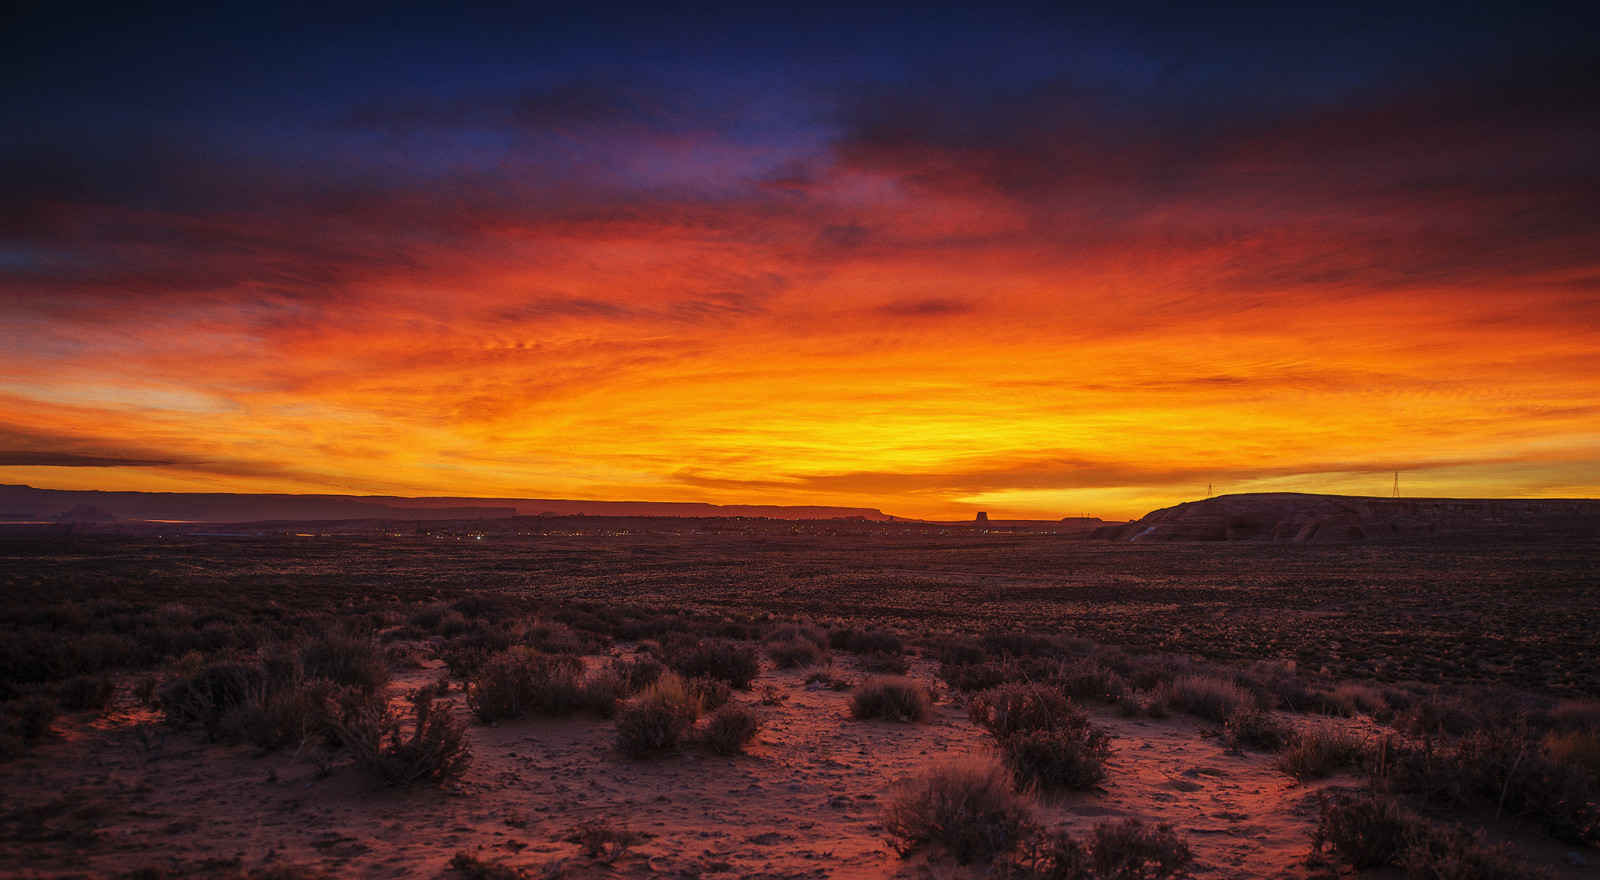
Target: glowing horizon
{"x":682,"y":275}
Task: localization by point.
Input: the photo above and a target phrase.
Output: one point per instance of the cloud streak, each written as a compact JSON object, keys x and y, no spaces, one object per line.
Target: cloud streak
{"x":892,"y":284}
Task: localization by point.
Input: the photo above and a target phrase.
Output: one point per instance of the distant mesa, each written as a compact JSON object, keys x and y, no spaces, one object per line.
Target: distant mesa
{"x":983,"y":516}
{"x":223,"y":507}
{"x":84,"y":513}
{"x":1295,"y":518}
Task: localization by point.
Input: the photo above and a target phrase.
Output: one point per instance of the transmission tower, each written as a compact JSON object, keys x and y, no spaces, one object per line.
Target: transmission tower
{"x":1396,"y":493}
{"x":1208,"y":490}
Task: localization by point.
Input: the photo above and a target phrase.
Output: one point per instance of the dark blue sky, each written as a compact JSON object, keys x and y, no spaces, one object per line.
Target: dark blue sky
{"x":224,"y":225}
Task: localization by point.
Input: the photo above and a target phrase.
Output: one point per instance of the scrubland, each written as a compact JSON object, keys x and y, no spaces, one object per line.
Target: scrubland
{"x":589,"y":703}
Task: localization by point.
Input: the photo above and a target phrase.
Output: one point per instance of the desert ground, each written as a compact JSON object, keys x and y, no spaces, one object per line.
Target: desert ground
{"x":1458,"y":648}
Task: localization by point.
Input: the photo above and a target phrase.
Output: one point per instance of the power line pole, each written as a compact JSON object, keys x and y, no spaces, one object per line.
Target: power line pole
{"x":1396,"y":493}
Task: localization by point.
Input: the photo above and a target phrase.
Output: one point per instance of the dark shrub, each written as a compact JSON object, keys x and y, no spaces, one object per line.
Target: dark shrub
{"x":558,"y":638}
{"x":601,"y":691}
{"x":493,"y":607}
{"x":710,"y":693}
{"x":1317,"y":753}
{"x":520,"y":680}
{"x":1426,"y":770}
{"x":1087,"y":678}
{"x":30,"y":657}
{"x":737,"y":663}
{"x":283,"y":716}
{"x":1067,"y":757}
{"x":1014,"y":708}
{"x":1211,"y":697}
{"x":81,"y":692}
{"x":1131,"y":850}
{"x":638,"y":672}
{"x":465,"y":653}
{"x":969,"y":677}
{"x":1256,"y":728}
{"x":30,"y":717}
{"x":1508,"y":764}
{"x":1015,"y":644}
{"x":799,"y":631}
{"x":1456,"y":854}
{"x":206,"y":694}
{"x":793,"y":652}
{"x":884,"y":664}
{"x":969,"y":808}
{"x":954,"y":650}
{"x":657,"y":718}
{"x":1366,"y":830}
{"x":348,"y":661}
{"x":475,"y":867}
{"x":1578,"y":750}
{"x":871,"y":641}
{"x":890,"y":699}
{"x":730,"y":728}
{"x":436,"y":751}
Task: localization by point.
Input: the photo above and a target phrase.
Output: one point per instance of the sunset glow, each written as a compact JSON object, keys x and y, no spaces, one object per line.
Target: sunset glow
{"x":1037,"y":267}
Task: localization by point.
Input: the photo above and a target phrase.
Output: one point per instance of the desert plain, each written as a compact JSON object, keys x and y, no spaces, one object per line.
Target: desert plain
{"x":1402,"y":648}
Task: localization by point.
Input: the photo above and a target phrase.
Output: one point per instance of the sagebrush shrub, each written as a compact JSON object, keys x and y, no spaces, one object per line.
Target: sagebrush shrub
{"x":475,"y":867}
{"x":883,"y":664}
{"x":799,"y":631}
{"x":1207,"y":696}
{"x":436,"y":750}
{"x":1013,"y":708}
{"x":602,"y":690}
{"x":1350,"y":698}
{"x":1088,"y":678}
{"x":970,"y":808}
{"x":1066,"y":757}
{"x":730,"y":728}
{"x":1454,"y":853}
{"x":1508,"y":764}
{"x":1366,"y":830}
{"x":274,"y":718}
{"x":94,"y":692}
{"x":1131,"y":850}
{"x":790,"y":653}
{"x":709,"y":693}
{"x":657,"y":718}
{"x":870,"y":641}
{"x":1577,"y":749}
{"x":637,"y":672}
{"x":29,"y":718}
{"x":737,"y":663}
{"x":519,"y":680}
{"x":982,"y":676}
{"x":890,"y":698}
{"x":208,"y":692}
{"x":350,"y":661}
{"x":1257,"y":728}
{"x":1317,"y":753}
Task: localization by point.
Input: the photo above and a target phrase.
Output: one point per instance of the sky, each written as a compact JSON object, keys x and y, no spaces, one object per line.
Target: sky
{"x":1039,"y":260}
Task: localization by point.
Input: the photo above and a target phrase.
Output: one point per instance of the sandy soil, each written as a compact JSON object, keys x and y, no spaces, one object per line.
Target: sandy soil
{"x":103,"y":796}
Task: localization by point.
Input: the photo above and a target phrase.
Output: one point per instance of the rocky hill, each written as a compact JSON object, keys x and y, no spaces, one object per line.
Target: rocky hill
{"x":1291,"y":517}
